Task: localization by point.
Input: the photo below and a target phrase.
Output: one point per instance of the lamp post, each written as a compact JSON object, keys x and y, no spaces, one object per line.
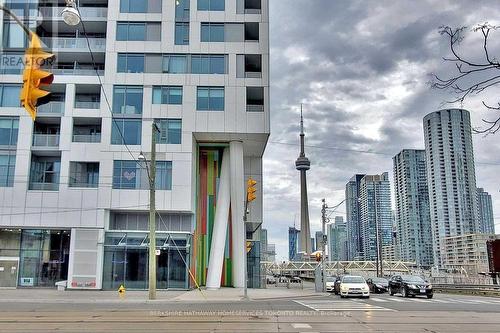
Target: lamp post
{"x":151,"y":171}
{"x":70,"y":14}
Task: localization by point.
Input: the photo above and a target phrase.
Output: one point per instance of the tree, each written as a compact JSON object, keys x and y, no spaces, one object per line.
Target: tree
{"x":473,"y":76}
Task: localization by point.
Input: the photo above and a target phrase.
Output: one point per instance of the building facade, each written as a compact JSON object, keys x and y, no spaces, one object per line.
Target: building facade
{"x":293,"y":243}
{"x":318,"y":240}
{"x":451,"y":176}
{"x":353,"y":217}
{"x":467,"y":253}
{"x":485,"y":206}
{"x":75,"y":195}
{"x":413,"y":220}
{"x":337,"y":240}
{"x":375,"y":213}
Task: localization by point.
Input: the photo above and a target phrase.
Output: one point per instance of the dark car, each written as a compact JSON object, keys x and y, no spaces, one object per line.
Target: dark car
{"x":377,"y":285}
{"x":410,"y":285}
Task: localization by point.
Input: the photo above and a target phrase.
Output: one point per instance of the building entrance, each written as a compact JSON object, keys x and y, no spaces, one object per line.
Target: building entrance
{"x":8,"y":272}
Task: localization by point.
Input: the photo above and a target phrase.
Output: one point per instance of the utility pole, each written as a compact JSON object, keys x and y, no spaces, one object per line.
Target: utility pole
{"x":152,"y":214}
{"x":323,"y":242}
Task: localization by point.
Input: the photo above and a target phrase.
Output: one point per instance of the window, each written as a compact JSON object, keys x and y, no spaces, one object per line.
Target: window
{"x":13,"y":36}
{"x":9,"y":95}
{"x":9,"y":128}
{"x":170,"y":131}
{"x":174,"y":64}
{"x":210,"y":99}
{"x":138,"y":31}
{"x":127,"y":100}
{"x":130,"y":63}
{"x":252,"y":31}
{"x":126,"y":132}
{"x":167,"y":95}
{"x":7,"y":168}
{"x":181,"y":33}
{"x":132,"y":175}
{"x":140,"y":6}
{"x":44,"y":173}
{"x":255,"y":99}
{"x":83,"y":174}
{"x":182,"y":10}
{"x":212,"y":32}
{"x":208,"y":64}
{"x":215,"y":5}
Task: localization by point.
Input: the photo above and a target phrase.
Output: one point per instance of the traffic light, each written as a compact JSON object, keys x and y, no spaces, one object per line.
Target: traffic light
{"x":33,"y":77}
{"x":251,"y":196}
{"x":318,"y":256}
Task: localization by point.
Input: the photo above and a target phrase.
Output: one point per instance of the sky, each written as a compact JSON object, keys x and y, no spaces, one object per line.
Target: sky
{"x":361,"y":69}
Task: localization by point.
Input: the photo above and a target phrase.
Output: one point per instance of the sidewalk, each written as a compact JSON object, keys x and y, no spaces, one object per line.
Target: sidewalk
{"x":141,"y":296}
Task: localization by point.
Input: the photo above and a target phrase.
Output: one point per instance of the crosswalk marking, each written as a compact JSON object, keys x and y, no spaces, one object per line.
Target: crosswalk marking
{"x":396,"y":299}
{"x":347,"y":305}
{"x":379,"y":299}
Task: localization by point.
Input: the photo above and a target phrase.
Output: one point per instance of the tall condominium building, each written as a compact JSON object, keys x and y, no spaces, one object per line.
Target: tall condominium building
{"x":318,"y":240}
{"x":353,"y":217}
{"x":75,"y":194}
{"x":485,"y":214}
{"x":375,"y":213}
{"x":413,"y":220}
{"x":450,"y":176}
{"x":337,"y":240}
{"x":293,"y":243}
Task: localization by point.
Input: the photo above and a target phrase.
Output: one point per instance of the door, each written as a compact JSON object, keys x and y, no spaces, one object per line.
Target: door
{"x":8,"y":273}
{"x":162,"y":270}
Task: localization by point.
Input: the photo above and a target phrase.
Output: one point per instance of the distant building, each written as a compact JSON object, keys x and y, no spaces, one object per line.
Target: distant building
{"x":271,"y":253}
{"x":313,"y":244}
{"x":263,"y":243}
{"x":413,"y":220}
{"x":318,"y":240}
{"x":353,"y":218}
{"x":466,"y":253}
{"x":337,"y":240}
{"x":375,"y":210}
{"x":485,"y":206}
{"x":389,"y":252}
{"x":293,"y":243}
{"x":451,"y":177}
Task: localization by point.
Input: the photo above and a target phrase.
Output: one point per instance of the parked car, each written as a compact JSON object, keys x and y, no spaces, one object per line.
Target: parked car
{"x":330,"y":283}
{"x":354,"y":285}
{"x":377,"y":285}
{"x":410,"y":285}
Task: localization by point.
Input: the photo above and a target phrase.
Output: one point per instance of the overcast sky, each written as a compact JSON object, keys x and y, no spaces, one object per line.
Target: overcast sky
{"x":361,"y":70}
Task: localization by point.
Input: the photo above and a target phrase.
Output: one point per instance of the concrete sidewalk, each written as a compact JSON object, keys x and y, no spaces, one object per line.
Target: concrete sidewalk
{"x":141,"y":296}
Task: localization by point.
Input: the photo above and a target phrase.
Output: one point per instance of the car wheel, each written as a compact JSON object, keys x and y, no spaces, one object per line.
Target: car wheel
{"x":429,"y":296}
{"x":403,"y":292}
{"x":391,"y":292}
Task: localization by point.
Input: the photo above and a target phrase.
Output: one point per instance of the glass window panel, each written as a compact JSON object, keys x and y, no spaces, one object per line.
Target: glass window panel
{"x":177,"y":64}
{"x":153,"y":32}
{"x":121,"y":31}
{"x":182,"y":33}
{"x":217,"y":5}
{"x":138,"y":6}
{"x":195,"y":64}
{"x":217,"y":65}
{"x":216,"y":32}
{"x":174,"y":131}
{"x":137,"y":31}
{"x":10,"y":95}
{"x":175,"y":95}
{"x":153,"y":63}
{"x":154,"y":6}
{"x":122,"y":63}
{"x":205,"y":32}
{"x":216,"y":99}
{"x":7,"y":168}
{"x":118,"y":99}
{"x":203,"y":4}
{"x":135,"y":63}
{"x":134,"y":99}
{"x":8,"y":131}
{"x":157,"y":95}
{"x":132,"y":132}
{"x":202,"y":99}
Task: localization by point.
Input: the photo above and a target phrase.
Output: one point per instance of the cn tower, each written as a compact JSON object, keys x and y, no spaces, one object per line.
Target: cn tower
{"x":302,"y":164}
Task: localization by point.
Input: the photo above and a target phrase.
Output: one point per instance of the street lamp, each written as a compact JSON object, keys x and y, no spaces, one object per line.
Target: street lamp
{"x":70,"y":13}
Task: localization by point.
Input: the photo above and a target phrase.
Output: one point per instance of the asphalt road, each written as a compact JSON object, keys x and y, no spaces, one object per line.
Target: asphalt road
{"x":383,"y":313}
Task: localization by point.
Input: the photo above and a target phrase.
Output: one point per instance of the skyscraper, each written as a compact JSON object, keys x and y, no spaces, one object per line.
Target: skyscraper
{"x":302,"y":164}
{"x":293,"y":243}
{"x":318,"y":240}
{"x":337,"y":240}
{"x":375,"y":213}
{"x":485,"y":206}
{"x":353,"y":218}
{"x":451,"y":176}
{"x":75,"y":189}
{"x":413,"y":220}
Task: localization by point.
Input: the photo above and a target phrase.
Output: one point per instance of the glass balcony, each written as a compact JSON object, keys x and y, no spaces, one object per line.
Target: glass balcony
{"x":88,"y":13}
{"x":87,"y":105}
{"x":72,"y":43}
{"x":46,"y":140}
{"x":76,"y":71}
{"x":44,"y":186}
{"x":52,"y":108}
{"x":87,"y":138}
{"x":253,"y":75}
{"x":255,"y":108}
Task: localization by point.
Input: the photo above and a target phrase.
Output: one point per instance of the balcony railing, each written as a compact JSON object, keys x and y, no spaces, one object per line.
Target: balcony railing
{"x":88,"y":138}
{"x":252,"y":11}
{"x":56,"y":107}
{"x":87,"y":105}
{"x":253,"y":75}
{"x":96,"y":44}
{"x":46,"y":140}
{"x":255,"y":108}
{"x":44,"y":186}
{"x":86,"y":12}
{"x":76,"y":71}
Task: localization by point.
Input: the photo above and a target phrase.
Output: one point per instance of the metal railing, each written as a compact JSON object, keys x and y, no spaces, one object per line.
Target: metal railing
{"x":76,"y":71}
{"x":87,"y":105}
{"x":97,"y":44}
{"x":88,"y":138}
{"x":252,"y":11}
{"x":253,"y":75}
{"x":255,"y":108}
{"x":44,"y":186}
{"x":87,"y":12}
{"x":46,"y":140}
{"x":56,"y":107}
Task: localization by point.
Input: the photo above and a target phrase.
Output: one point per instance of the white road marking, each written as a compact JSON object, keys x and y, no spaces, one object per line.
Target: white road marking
{"x":299,"y":325}
{"x":422,"y":300}
{"x":347,"y":305}
{"x":378,"y":299}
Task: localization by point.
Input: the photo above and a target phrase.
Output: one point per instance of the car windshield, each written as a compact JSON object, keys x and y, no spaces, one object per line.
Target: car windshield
{"x":379,"y":280}
{"x":330,"y":279}
{"x":353,"y":279}
{"x":411,"y":278}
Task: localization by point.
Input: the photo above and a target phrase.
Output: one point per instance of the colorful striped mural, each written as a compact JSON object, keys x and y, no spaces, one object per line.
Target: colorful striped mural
{"x":209,"y":162}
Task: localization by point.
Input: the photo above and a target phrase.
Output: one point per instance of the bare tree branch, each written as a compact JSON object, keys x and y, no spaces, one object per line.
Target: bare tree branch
{"x":473,"y":76}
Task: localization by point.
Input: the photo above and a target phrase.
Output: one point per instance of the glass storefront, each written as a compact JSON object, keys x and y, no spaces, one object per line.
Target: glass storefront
{"x":126,"y":260}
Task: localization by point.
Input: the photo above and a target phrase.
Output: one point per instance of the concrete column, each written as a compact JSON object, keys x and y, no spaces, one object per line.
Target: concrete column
{"x":237,"y":207}
{"x":220,"y":225}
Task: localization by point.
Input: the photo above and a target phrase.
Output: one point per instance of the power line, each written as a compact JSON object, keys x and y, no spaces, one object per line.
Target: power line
{"x":67,"y":210}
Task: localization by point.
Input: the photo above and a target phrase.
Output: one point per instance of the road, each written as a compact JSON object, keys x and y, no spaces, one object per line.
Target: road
{"x":383,"y":313}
